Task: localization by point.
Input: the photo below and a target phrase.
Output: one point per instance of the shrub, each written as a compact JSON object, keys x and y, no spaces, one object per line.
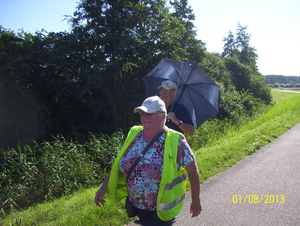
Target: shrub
{"x":233,"y":104}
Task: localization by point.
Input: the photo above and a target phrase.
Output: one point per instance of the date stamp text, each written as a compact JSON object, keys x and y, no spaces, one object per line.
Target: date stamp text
{"x":258,"y":199}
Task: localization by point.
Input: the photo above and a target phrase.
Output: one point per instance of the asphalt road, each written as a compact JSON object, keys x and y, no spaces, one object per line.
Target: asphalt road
{"x":262,"y":189}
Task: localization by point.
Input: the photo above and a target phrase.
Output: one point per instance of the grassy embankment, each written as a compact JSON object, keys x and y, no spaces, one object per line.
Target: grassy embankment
{"x":216,"y":156}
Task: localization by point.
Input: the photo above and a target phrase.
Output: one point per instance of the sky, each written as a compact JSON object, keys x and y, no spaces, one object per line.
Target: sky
{"x":274,"y":25}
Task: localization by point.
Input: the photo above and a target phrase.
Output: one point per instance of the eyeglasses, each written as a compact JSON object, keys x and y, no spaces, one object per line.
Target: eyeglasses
{"x":143,"y":113}
{"x":164,"y":91}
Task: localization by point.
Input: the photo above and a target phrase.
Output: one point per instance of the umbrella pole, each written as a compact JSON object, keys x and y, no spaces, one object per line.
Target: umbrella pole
{"x":176,"y":89}
{"x":176,"y":86}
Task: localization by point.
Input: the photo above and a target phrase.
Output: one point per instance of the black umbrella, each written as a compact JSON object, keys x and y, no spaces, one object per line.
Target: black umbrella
{"x":195,"y":89}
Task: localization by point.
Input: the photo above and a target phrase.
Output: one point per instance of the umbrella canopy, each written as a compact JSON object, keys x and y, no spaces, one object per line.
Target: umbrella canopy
{"x":195,"y":89}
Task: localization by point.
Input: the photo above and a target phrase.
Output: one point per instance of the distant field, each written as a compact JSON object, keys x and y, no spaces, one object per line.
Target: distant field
{"x":287,"y":89}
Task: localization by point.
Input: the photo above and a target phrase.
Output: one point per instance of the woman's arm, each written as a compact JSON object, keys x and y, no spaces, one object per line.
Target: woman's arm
{"x":193,"y":174}
{"x":101,"y":192}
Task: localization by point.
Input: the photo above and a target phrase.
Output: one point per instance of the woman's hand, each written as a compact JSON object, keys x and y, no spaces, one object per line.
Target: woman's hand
{"x":101,"y":192}
{"x":195,"y":208}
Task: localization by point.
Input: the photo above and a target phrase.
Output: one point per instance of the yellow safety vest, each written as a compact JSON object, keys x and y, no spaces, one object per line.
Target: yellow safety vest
{"x":172,"y":189}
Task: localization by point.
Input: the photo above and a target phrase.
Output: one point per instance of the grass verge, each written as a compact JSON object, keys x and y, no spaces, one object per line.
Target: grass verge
{"x":216,"y":156}
{"x":236,"y":144}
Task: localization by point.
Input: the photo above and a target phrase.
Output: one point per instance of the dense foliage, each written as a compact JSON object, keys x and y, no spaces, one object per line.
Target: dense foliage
{"x":90,"y":79}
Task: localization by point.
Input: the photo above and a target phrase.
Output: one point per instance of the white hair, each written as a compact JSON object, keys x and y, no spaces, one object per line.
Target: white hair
{"x":163,"y":114}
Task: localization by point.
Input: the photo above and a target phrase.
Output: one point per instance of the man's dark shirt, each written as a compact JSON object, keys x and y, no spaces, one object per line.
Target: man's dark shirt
{"x":181,"y":113}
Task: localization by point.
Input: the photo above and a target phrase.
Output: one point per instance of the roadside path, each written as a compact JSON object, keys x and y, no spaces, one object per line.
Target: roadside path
{"x":271,"y":172}
{"x":270,"y":176}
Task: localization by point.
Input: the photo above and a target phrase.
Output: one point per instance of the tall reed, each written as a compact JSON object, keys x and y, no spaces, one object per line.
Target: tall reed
{"x":44,"y":172}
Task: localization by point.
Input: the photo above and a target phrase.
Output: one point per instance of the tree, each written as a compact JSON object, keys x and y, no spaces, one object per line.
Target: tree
{"x":215,"y":67}
{"x":240,"y":59}
{"x":90,"y":79}
{"x":247,"y":53}
{"x":123,"y":34}
{"x":194,"y":48}
{"x":272,"y":79}
{"x":229,"y":48}
{"x":131,"y":37}
{"x":240,"y":46}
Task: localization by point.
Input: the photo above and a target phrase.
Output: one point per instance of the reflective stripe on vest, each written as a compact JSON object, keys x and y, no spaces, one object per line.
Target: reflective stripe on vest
{"x":171,"y":205}
{"x":176,"y":181}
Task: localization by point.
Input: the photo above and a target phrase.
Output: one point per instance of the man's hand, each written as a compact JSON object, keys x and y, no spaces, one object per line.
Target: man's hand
{"x":173,"y":118}
{"x":185,"y":127}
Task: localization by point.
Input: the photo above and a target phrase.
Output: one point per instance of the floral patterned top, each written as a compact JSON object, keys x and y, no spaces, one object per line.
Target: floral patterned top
{"x":144,"y":181}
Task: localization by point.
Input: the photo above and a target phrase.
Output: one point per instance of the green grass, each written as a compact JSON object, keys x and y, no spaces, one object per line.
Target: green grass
{"x":219,"y":153}
{"x":76,"y":209}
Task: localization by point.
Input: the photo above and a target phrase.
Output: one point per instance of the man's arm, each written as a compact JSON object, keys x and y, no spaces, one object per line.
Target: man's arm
{"x":185,"y":127}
